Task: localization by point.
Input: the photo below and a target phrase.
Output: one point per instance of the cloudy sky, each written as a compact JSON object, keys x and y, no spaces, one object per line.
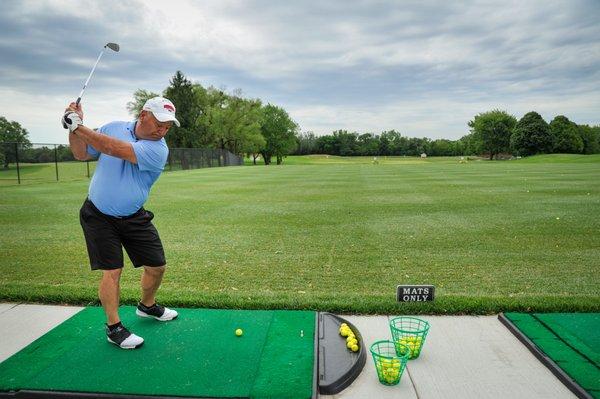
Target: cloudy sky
{"x":424,"y":68}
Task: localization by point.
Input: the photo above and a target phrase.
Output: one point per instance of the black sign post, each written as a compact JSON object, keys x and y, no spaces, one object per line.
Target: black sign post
{"x":415,"y":293}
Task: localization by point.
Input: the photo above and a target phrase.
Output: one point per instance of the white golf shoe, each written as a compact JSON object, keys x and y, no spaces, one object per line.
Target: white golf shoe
{"x":156,"y":311}
{"x":123,"y":338}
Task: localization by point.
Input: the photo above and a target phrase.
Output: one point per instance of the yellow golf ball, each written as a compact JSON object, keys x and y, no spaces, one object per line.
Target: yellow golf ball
{"x":239,"y":332}
{"x":354,"y":348}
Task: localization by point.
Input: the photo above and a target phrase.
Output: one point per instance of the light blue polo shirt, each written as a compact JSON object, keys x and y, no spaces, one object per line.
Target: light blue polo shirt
{"x":119,"y":187}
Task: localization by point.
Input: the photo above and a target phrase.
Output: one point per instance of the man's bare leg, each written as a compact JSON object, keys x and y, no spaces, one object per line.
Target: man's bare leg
{"x":151,"y":279}
{"x":109,"y":293}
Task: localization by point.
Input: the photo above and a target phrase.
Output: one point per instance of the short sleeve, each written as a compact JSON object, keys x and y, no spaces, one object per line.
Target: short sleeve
{"x":151,"y":155}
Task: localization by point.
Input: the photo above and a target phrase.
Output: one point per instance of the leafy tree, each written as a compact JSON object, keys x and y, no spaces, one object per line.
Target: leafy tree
{"x":368,"y":144}
{"x":307,"y":144}
{"x":417,"y":146}
{"x":591,"y":139}
{"x":235,"y":124}
{"x":328,"y":145}
{"x":493,"y":128}
{"x":471,"y":144}
{"x":389,"y":142}
{"x":531,"y":135}
{"x":348,"y":144}
{"x":140,"y":96}
{"x":565,"y":136}
{"x":182,"y":95}
{"x":12,"y":132}
{"x":442,"y":148}
{"x":279,"y":131}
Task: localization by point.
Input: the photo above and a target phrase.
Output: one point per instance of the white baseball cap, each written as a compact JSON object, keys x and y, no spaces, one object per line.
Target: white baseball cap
{"x":162,"y":109}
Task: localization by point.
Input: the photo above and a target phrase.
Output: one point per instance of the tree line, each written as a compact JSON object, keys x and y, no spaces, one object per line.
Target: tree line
{"x":212,"y":118}
{"x":491,"y":133}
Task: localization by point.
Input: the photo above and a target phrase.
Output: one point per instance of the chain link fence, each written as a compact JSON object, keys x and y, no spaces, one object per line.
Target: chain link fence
{"x":196,"y":158}
{"x":42,"y":162}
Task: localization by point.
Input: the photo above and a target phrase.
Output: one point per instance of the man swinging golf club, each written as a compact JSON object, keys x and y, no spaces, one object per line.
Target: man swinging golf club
{"x":131,"y":157}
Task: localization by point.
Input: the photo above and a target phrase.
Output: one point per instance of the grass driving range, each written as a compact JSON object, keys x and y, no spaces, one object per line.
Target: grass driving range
{"x":336,"y":234}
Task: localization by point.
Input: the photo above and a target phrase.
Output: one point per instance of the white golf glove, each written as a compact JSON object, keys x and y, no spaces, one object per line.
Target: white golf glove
{"x":71,"y":121}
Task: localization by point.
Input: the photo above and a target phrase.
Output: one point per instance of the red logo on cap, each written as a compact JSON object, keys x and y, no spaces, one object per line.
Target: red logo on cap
{"x":169,"y":107}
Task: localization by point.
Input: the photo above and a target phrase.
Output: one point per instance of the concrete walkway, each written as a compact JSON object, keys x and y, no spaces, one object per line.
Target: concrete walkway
{"x":463,"y":357}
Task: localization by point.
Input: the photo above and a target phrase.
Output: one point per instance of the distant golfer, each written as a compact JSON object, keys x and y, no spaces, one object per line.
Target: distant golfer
{"x":131,"y":157}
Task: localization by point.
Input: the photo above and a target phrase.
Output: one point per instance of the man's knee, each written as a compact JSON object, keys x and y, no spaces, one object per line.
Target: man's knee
{"x":112,"y":275}
{"x":155,"y":270}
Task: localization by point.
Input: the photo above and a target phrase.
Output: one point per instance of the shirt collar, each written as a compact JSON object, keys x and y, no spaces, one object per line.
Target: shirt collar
{"x":131,"y":129}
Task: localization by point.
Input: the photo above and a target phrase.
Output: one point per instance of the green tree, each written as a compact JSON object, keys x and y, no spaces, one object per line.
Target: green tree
{"x":327,"y":145}
{"x":591,"y":139}
{"x":347,"y":143}
{"x":565,"y":136}
{"x":234,"y":124}
{"x":368,"y":144}
{"x":253,"y":145}
{"x":471,"y":144}
{"x":140,"y":96}
{"x":279,"y":131}
{"x":10,"y":133}
{"x":442,"y":148}
{"x":494,"y":129}
{"x":389,"y":142}
{"x":307,"y":144}
{"x":531,"y":135}
{"x":182,"y":95}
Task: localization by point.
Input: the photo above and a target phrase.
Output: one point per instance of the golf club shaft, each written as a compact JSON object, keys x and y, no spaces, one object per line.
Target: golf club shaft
{"x":89,"y":77}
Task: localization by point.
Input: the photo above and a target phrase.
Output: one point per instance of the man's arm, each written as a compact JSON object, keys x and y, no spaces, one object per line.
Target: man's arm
{"x":106,"y":144}
{"x":78,"y":148}
{"x":81,"y":136}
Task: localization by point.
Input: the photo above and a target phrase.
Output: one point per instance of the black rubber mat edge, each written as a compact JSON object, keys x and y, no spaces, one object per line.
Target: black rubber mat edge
{"x":546,"y":361}
{"x":354,"y":371}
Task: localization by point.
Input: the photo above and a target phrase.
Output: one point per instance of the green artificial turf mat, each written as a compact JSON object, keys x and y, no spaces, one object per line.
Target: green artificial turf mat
{"x":280,"y":367}
{"x":571,"y":340}
{"x":197,"y":354}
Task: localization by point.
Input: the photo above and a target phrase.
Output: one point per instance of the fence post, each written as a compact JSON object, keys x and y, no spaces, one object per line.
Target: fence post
{"x":56,"y":161}
{"x":17,"y":161}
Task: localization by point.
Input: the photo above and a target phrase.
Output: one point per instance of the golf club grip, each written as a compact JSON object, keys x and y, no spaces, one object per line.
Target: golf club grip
{"x":78,"y":101}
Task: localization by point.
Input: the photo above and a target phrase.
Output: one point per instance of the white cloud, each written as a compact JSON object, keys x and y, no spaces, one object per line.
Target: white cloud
{"x":424,"y":67}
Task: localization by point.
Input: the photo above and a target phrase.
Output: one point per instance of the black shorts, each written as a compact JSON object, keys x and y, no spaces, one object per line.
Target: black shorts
{"x":106,"y":235}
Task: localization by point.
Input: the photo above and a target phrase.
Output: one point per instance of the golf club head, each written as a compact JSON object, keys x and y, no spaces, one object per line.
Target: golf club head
{"x":113,"y":46}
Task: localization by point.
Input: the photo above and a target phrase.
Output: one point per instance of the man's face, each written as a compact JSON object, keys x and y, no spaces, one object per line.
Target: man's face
{"x":150,"y":128}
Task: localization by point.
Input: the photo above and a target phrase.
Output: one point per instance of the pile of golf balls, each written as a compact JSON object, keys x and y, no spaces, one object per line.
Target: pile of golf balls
{"x":388,"y":370}
{"x":413,"y":343}
{"x":351,"y":341}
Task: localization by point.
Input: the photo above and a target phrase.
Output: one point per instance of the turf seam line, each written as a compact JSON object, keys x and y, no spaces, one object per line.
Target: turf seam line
{"x":257,"y":373}
{"x":565,"y":342}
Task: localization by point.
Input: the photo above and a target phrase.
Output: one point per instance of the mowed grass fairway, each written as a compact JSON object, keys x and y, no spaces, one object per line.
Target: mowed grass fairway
{"x":336,"y":234}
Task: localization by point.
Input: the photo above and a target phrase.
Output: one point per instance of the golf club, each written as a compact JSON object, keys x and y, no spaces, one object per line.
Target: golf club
{"x":114,"y":47}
